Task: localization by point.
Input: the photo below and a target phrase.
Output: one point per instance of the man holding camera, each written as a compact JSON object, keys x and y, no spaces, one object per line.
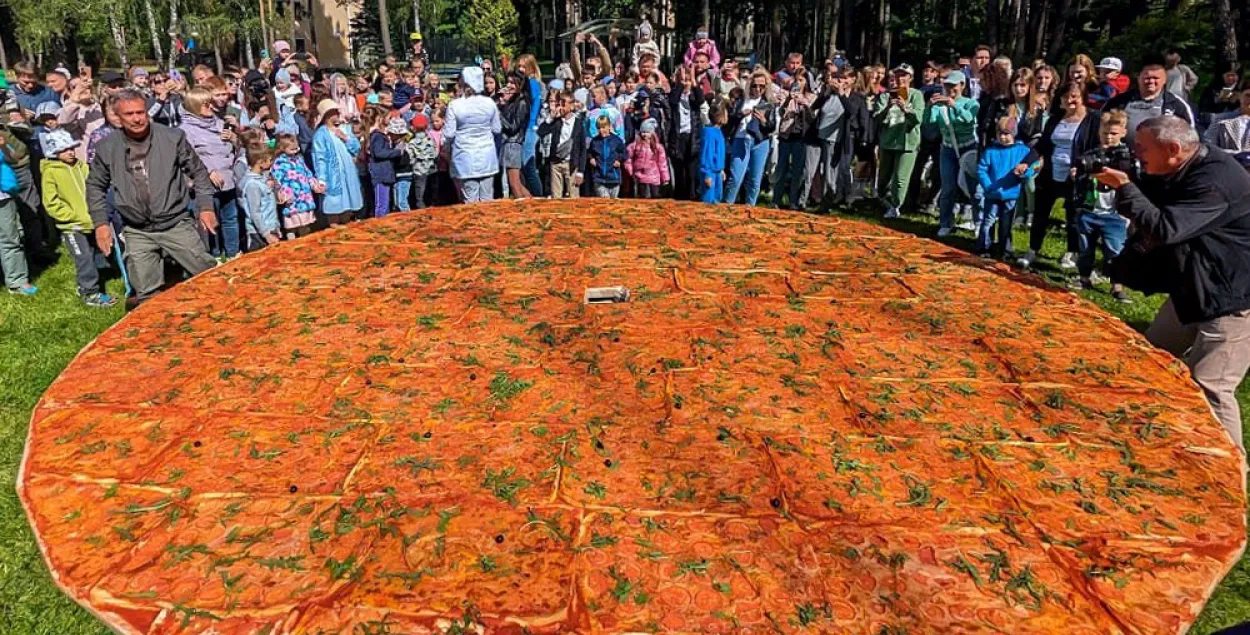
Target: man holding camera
{"x":1190,"y":216}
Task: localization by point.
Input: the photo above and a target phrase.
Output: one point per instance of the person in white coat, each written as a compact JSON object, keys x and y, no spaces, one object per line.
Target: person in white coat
{"x":470,"y":130}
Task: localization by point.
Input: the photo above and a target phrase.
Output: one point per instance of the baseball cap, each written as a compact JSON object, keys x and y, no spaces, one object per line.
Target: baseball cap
{"x":1111,"y":64}
{"x":955,"y":77}
{"x":414,"y":36}
{"x":904,"y":68}
{"x":111,"y":77}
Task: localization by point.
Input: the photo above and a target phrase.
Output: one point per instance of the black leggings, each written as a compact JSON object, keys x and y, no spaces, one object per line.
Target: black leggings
{"x":1048,"y":191}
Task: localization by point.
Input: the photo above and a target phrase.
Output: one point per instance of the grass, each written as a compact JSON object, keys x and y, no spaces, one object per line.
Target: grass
{"x":40,"y":335}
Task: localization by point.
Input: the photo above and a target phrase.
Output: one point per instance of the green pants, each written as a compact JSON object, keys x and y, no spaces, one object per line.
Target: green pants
{"x":894,"y":175}
{"x":12,"y":258}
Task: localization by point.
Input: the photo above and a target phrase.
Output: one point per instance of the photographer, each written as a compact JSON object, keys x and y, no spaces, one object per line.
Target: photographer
{"x":1190,"y":215}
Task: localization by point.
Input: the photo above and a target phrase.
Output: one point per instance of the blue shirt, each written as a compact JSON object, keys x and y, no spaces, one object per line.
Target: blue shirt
{"x":31,"y":101}
{"x":712,"y":157}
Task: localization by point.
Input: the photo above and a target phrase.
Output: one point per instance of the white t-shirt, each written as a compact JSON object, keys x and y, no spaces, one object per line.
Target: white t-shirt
{"x":1063,"y":137}
{"x":683,"y":114}
{"x":748,"y":105}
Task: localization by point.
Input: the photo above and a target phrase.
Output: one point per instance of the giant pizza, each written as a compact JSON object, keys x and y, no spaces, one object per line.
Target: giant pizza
{"x":455,"y":421}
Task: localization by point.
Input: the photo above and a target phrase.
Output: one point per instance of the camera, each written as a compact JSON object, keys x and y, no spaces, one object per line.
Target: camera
{"x":1095,"y":161}
{"x":257,"y":85}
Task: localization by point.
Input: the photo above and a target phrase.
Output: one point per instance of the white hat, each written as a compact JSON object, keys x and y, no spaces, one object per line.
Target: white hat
{"x":1111,"y":64}
{"x":56,"y":141}
{"x":474,"y":78}
{"x":397,"y":126}
{"x":326,"y":105}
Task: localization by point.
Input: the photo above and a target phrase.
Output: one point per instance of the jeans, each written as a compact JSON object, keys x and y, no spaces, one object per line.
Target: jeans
{"x":419,"y":182}
{"x":146,"y":251}
{"x":790,"y":170}
{"x":81,"y":247}
{"x":1048,"y":191}
{"x":529,"y":169}
{"x":12,"y":258}
{"x":477,"y":190}
{"x":948,"y":160}
{"x":645,"y":190}
{"x":607,"y":191}
{"x":400,"y":192}
{"x":1004,"y":212}
{"x":226,"y":240}
{"x":747,"y":159}
{"x":1112,"y":229}
{"x":1217,"y":353}
{"x":714,"y":192}
{"x":381,"y":200}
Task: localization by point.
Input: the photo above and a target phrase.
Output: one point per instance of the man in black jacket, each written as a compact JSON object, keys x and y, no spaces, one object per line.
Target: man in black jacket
{"x":148,"y":168}
{"x":1190,"y":220}
{"x":1149,"y":99}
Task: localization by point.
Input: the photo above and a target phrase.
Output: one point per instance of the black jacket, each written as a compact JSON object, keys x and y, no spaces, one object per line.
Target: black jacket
{"x":555,"y":128}
{"x":758,"y":131}
{"x":1191,"y":236}
{"x":695,"y":145}
{"x":1028,"y":131}
{"x":1086,"y":139}
{"x":172,"y":162}
{"x":514,"y":118}
{"x":861,"y":128}
{"x":1172,"y":105}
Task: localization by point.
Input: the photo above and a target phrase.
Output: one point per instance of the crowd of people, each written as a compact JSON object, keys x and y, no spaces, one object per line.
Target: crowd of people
{"x":199,"y":169}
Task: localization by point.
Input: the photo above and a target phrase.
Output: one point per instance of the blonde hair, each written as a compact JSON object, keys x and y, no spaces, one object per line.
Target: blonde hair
{"x":258,"y":153}
{"x":1114,"y":118}
{"x":529,"y":64}
{"x":285,"y":142}
{"x":196,"y":99}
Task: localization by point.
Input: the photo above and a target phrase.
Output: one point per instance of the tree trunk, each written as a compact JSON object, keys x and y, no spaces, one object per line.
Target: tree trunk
{"x":991,"y":24}
{"x":119,"y":37}
{"x":835,"y":22}
{"x":385,"y":27}
{"x":883,"y":31}
{"x":1225,"y":34}
{"x":1037,"y":27}
{"x":1063,"y":13}
{"x":217,"y":58}
{"x":1018,"y":31}
{"x":247,"y":49}
{"x":157,"y":53}
{"x":4,"y":57}
{"x":416,"y":15}
{"x":705,"y":13}
{"x":173,"y":35}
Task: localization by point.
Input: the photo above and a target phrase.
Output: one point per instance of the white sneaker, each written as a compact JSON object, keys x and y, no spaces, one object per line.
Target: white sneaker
{"x":967,"y":226}
{"x":1098,"y":278}
{"x":1027,"y":259}
{"x":1068,"y":261}
{"x":892,"y":213}
{"x":944,"y":232}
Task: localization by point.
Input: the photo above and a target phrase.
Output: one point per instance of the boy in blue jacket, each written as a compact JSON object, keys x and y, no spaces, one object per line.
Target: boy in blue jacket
{"x":607,"y":154}
{"x":712,"y":158}
{"x":1000,"y":181}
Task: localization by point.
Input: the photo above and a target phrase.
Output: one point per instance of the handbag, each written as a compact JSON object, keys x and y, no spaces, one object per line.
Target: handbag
{"x":8,"y":180}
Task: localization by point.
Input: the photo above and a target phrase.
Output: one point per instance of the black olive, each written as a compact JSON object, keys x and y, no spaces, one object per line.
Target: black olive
{"x":1029,"y":439}
{"x":472,"y":376}
{"x":677,"y":405}
{"x":776,"y":503}
{"x":598,"y":444}
{"x":616,"y":339}
{"x":428,"y":434}
{"x":652,"y":371}
{"x":400,"y":360}
{"x":499,"y":539}
{"x":197,"y":444}
{"x":368,"y":382}
{"x":294,"y":489}
{"x":607,"y":462}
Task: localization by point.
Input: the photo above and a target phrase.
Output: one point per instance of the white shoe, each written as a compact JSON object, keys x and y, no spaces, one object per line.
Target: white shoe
{"x":1098,"y":278}
{"x":1068,"y":261}
{"x":967,"y":226}
{"x":1027,"y":259}
{"x":892,"y":213}
{"x":943,"y":232}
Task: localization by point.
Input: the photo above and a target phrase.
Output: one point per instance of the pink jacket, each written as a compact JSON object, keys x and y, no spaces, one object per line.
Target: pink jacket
{"x":713,"y":55}
{"x":644,"y":164}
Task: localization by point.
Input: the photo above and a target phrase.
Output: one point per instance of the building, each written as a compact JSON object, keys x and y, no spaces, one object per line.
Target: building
{"x":320,"y":27}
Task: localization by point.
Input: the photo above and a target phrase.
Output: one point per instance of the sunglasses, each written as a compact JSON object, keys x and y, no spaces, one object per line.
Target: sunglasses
{"x":159,"y":80}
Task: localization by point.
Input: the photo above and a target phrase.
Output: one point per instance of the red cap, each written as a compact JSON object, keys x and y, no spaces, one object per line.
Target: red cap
{"x":420,"y":122}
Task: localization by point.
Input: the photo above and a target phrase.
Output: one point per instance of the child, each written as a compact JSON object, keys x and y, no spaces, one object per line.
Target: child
{"x":383,"y":155}
{"x":1111,"y":81}
{"x":646,"y":162}
{"x":260,"y":205}
{"x":1000,"y":180}
{"x":422,"y":154}
{"x":1096,"y":218}
{"x":397,"y":132}
{"x":441,"y":190}
{"x":702,"y":44}
{"x":568,"y":146}
{"x":606,"y":153}
{"x":296,"y":185}
{"x":64,"y":186}
{"x":712,"y":157}
{"x":45,"y":122}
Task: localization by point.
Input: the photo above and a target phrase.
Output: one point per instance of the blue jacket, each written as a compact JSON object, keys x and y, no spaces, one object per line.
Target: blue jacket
{"x":402,"y":94}
{"x":606,"y":151}
{"x":995,"y":171}
{"x":260,"y":205}
{"x":712,"y":158}
{"x":382,"y":159}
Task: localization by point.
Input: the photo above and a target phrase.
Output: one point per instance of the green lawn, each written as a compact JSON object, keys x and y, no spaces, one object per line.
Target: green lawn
{"x":40,"y":335}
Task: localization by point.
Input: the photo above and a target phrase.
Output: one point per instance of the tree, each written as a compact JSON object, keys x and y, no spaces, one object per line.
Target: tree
{"x":491,"y":25}
{"x":385,"y":18}
{"x":119,"y":35}
{"x":157,"y":54}
{"x":1225,"y":34}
